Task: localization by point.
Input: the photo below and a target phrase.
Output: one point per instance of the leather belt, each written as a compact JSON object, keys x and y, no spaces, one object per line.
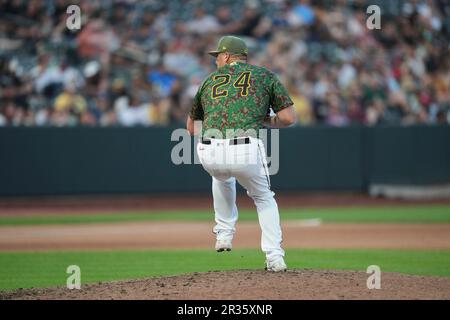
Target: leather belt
{"x":233,"y":142}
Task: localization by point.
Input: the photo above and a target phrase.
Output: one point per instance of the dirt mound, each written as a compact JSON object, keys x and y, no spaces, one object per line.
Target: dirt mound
{"x":253,"y":284}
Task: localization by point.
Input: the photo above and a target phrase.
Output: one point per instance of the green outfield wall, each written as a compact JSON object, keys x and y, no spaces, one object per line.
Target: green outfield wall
{"x":71,"y":161}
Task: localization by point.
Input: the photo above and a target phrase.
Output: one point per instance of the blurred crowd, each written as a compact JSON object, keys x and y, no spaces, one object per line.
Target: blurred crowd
{"x":141,"y":62}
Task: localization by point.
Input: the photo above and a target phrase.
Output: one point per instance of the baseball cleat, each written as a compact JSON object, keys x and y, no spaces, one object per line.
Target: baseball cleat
{"x":223,"y":245}
{"x":277,"y":265}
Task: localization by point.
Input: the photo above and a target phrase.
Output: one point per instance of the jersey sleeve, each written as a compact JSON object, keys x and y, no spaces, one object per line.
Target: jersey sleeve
{"x":279,"y":97}
{"x":197,"y":109}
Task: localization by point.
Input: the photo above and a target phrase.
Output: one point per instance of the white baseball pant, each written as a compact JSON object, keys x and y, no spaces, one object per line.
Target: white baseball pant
{"x":247,"y":163}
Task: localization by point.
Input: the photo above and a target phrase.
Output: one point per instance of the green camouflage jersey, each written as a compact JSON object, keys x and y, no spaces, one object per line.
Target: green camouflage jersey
{"x":238,"y":96}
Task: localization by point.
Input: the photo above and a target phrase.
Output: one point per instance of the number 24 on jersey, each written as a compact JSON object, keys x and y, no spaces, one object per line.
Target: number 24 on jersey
{"x":242,"y":83}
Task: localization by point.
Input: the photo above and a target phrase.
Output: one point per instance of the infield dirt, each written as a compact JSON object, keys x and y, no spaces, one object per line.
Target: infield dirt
{"x":198,"y":235}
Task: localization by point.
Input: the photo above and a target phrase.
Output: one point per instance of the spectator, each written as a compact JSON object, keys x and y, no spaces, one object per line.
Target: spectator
{"x":202,"y":23}
{"x":224,"y":18}
{"x":301,"y":14}
{"x":70,"y":101}
{"x":162,"y":80}
{"x":355,"y":113}
{"x":336,"y":117}
{"x":133,"y":112}
{"x":252,"y":23}
{"x":48,"y":79}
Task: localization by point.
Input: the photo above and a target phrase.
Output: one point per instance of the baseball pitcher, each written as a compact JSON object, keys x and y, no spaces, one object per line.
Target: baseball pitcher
{"x":232,"y":104}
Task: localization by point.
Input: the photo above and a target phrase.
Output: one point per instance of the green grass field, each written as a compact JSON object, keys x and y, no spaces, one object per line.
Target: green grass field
{"x":410,"y":214}
{"x":25,"y":270}
{"x":43,"y":269}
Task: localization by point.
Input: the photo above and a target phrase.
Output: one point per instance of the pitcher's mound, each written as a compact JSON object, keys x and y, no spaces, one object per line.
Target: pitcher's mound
{"x":254,"y":284}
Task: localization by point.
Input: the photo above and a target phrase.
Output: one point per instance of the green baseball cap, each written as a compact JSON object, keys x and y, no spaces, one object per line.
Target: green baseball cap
{"x":230,"y":44}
